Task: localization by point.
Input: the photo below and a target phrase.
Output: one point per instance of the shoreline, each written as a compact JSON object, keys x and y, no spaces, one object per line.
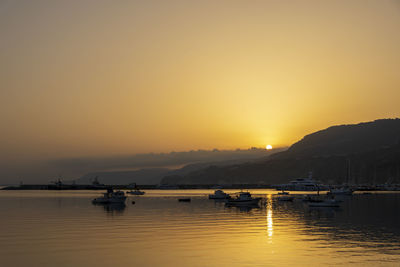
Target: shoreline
{"x":176,"y":187}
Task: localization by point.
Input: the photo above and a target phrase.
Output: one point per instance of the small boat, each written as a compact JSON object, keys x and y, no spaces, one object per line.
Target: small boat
{"x":219,"y":194}
{"x":184,"y":199}
{"x":244,"y":198}
{"x":325,"y":203}
{"x":285,"y":198}
{"x":110,"y":197}
{"x":136,"y":192}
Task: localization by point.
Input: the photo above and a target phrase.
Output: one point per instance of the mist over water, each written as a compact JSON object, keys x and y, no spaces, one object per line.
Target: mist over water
{"x":49,"y":228}
{"x":14,"y":171}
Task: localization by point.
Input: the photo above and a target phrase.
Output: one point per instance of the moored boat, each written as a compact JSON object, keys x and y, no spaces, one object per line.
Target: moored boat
{"x":219,"y":194}
{"x":244,"y":198}
{"x":110,"y":197}
{"x":302,"y":184}
{"x":136,"y":192}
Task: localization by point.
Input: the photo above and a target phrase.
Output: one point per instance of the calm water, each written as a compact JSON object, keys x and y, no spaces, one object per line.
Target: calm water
{"x":48,"y":228}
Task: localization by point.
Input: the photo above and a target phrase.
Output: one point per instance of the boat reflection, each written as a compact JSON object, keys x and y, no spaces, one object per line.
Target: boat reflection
{"x":358,"y":220}
{"x":243,"y":208}
{"x":111,"y":208}
{"x":323,"y":212}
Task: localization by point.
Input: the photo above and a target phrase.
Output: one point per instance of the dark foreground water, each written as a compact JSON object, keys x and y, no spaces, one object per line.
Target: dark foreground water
{"x":48,"y":228}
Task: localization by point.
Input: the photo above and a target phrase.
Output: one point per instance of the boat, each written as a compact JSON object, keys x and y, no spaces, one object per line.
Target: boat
{"x":58,"y":185}
{"x":136,"y":192}
{"x":97,"y":185}
{"x":341,"y":191}
{"x":110,"y":197}
{"x":302,"y":184}
{"x":219,"y":194}
{"x":285,"y":198}
{"x":244,"y":198}
{"x":325,"y":203}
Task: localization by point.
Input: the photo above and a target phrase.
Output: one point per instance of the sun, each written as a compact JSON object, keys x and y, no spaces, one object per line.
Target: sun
{"x":268,"y":147}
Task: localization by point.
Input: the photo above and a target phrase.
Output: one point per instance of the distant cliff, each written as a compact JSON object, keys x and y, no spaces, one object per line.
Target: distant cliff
{"x":361,"y":153}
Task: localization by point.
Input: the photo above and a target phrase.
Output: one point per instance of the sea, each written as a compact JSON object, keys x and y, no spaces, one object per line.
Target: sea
{"x":64,"y":228}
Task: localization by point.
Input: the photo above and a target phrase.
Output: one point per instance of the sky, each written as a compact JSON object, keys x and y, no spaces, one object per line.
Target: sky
{"x":109,"y":78}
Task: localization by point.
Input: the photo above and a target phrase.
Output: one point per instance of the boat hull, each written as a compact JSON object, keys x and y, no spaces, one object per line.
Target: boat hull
{"x":217,"y":197}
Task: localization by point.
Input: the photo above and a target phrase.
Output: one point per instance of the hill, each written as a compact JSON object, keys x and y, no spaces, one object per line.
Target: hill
{"x":346,"y":139}
{"x":360,"y":153}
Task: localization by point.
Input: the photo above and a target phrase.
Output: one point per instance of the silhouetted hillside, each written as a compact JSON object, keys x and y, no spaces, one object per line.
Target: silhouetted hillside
{"x":345,"y":139}
{"x":361,"y":153}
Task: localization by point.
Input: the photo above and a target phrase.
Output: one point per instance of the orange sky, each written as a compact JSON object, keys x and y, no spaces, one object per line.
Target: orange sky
{"x":122,"y":77}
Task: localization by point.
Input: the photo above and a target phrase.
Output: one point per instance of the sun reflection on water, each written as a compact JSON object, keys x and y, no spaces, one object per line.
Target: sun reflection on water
{"x":270,"y":224}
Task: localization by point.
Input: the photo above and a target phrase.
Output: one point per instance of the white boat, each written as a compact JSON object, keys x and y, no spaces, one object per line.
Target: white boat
{"x":302,"y":184}
{"x":244,"y":198}
{"x":136,"y":192}
{"x":325,"y":203}
{"x":110,"y":197}
{"x":219,"y":194}
{"x":341,"y":191}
